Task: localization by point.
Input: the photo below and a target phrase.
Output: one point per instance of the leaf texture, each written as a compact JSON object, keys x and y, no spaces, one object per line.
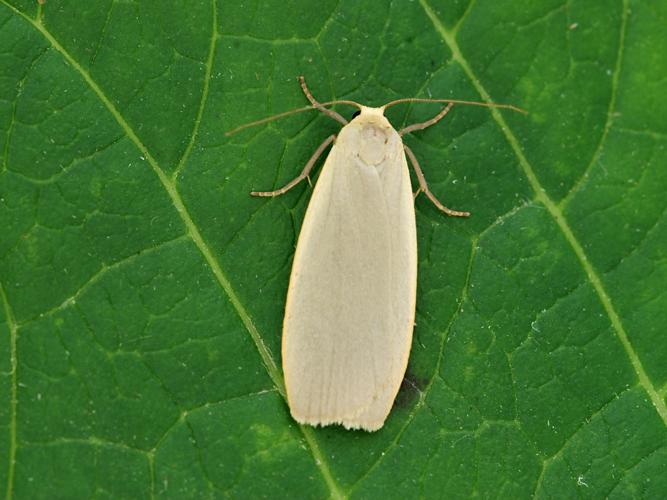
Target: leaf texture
{"x":142,"y":288}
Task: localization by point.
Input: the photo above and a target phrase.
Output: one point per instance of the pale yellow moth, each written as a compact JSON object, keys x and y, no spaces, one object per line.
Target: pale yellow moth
{"x":350,"y":306}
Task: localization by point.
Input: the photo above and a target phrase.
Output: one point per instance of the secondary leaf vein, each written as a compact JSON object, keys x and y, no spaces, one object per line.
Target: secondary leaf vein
{"x":610,"y":112}
{"x":204,"y":92}
{"x":13,"y":329}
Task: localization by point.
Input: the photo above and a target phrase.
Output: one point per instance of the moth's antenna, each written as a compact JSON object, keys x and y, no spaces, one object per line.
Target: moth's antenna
{"x":329,"y":112}
{"x":287,"y":113}
{"x":456,"y":101}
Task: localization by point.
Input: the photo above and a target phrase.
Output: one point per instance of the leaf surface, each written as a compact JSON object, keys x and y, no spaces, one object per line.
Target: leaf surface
{"x":142,"y":289}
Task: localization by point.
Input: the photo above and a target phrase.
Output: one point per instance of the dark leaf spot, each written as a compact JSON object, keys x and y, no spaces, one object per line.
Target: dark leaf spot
{"x":409,"y":392}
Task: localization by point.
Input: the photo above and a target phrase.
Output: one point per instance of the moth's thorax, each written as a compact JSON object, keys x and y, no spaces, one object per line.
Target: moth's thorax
{"x":371,"y":135}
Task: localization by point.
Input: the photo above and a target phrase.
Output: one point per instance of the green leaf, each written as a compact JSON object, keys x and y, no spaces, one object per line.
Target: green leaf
{"x":142,"y":289}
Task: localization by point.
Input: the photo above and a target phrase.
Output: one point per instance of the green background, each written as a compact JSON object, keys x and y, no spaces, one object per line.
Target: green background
{"x":142,"y":288}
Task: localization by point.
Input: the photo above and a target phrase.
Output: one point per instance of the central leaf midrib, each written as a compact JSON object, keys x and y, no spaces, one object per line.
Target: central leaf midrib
{"x":553,"y":209}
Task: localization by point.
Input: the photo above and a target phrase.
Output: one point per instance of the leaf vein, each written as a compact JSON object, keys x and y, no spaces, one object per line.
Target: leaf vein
{"x":13,"y":329}
{"x":204,"y":92}
{"x":610,"y":113}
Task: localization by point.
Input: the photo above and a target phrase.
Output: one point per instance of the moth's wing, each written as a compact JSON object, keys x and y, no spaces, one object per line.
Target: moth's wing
{"x":350,"y":307}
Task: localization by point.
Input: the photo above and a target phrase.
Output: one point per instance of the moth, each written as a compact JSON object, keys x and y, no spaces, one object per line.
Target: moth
{"x":350,"y":308}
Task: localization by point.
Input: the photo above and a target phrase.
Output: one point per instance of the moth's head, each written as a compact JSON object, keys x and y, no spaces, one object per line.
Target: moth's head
{"x":368,"y":114}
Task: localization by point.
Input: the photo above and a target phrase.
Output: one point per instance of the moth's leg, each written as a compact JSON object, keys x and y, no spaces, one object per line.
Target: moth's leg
{"x":423,"y":187}
{"x":329,"y":112}
{"x":427,"y":123}
{"x":304,"y":173}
